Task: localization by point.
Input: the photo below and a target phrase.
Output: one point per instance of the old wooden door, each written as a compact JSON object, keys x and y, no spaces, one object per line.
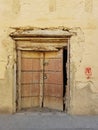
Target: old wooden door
{"x":31,"y":72}
{"x":41,"y":79}
{"x":53,"y":80}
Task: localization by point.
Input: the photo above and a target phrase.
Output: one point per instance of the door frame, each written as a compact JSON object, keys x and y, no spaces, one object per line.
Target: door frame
{"x":55,"y":38}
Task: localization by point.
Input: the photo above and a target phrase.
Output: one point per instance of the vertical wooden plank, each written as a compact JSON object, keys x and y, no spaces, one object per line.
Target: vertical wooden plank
{"x":31,"y":79}
{"x":53,"y":83}
{"x":41,"y":78}
{"x":19,"y":80}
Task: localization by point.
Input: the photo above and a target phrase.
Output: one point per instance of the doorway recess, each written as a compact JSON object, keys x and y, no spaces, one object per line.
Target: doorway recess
{"x":42,"y":74}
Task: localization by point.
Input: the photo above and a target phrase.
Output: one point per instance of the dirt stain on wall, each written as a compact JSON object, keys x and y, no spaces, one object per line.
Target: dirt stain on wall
{"x":52,"y":5}
{"x":16,"y":6}
{"x":88,"y":6}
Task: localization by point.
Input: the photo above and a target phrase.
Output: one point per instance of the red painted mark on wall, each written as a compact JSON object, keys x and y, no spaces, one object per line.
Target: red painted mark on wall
{"x":88,"y":72}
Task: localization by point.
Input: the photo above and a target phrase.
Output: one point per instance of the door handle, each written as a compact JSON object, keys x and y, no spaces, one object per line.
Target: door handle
{"x":45,"y":76}
{"x":46,"y":63}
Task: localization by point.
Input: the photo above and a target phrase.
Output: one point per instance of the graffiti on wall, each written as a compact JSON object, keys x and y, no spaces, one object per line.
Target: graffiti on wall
{"x":88,"y":72}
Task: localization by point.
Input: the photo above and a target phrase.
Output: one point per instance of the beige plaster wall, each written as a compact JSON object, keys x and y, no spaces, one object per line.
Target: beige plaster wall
{"x":79,"y":16}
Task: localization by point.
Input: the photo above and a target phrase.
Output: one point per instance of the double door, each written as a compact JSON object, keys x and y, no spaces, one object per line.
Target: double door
{"x":40,"y":79}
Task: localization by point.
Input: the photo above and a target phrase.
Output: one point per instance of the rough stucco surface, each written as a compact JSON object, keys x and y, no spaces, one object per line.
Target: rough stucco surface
{"x":81,"y":17}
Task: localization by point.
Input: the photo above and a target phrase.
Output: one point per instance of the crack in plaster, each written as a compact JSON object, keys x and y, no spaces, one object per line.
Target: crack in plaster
{"x":90,"y":84}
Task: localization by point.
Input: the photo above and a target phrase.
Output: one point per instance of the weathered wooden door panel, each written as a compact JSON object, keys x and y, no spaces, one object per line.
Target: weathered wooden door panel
{"x":25,"y":90}
{"x":53,"y":64}
{"x":53,"y":77}
{"x":53,"y":80}
{"x":53,"y":90}
{"x":53,"y":103}
{"x":26,"y":77}
{"x":42,"y":79}
{"x":30,"y":79}
{"x":25,"y":102}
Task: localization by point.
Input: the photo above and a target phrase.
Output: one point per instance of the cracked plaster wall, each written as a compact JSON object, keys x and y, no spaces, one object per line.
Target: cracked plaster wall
{"x":80,"y":17}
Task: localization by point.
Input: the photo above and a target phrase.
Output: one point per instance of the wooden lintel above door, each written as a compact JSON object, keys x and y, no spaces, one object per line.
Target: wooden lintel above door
{"x":41,"y":40}
{"x":46,"y":33}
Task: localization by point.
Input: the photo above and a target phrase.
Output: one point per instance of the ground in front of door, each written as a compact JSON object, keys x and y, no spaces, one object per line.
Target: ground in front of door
{"x":40,"y":110}
{"x":47,"y":121}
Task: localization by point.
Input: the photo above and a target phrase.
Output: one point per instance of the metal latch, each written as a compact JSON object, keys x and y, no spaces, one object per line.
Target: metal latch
{"x":46,"y":63}
{"x":45,"y":76}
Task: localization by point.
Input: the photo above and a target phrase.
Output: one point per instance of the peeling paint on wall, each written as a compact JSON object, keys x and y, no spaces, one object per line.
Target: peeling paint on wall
{"x":90,"y":84}
{"x":79,"y":33}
